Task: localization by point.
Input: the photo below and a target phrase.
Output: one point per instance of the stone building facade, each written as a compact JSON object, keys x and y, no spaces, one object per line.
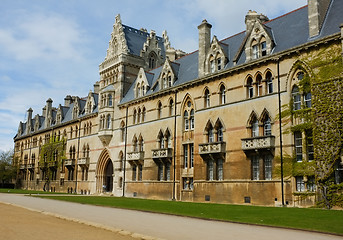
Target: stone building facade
{"x":203,"y":126}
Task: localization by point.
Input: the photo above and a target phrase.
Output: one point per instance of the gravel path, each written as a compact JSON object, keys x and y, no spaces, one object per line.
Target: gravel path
{"x":19,"y":223}
{"x":143,"y":225}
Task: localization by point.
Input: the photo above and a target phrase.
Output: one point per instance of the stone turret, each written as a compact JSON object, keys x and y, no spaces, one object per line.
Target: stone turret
{"x":316,"y":14}
{"x":204,"y":45}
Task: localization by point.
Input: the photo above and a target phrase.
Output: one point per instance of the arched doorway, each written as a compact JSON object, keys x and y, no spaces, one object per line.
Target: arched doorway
{"x":108,"y":179}
{"x":104,"y":173}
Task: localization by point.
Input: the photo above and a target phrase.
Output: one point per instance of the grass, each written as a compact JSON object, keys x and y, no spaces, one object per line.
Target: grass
{"x":327,"y":221}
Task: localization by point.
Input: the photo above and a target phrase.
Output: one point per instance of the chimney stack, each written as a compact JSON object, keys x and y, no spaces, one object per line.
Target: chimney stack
{"x":67,"y":100}
{"x":204,"y":45}
{"x":29,"y":121}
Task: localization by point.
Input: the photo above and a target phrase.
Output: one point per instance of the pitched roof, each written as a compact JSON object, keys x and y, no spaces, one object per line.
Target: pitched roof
{"x":287,"y":31}
{"x":136,"y":38}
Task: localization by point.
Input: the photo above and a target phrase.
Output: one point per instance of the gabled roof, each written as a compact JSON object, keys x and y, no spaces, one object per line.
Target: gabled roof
{"x":136,"y":38}
{"x":287,"y":31}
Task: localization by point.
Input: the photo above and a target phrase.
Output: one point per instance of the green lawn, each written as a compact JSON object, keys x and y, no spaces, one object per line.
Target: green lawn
{"x":330,"y":221}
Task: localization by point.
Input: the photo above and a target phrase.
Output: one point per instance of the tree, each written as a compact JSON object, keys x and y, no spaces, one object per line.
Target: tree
{"x":7,"y":169}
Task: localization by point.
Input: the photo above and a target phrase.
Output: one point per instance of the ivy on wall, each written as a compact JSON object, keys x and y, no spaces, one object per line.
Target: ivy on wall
{"x":324,"y":118}
{"x":52,"y":154}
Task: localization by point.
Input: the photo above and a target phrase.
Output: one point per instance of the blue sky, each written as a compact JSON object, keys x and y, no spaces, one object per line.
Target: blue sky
{"x":52,"y":48}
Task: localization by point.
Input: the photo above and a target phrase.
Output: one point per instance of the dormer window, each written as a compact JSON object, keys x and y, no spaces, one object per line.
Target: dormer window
{"x":215,"y":62}
{"x":255,"y":54}
{"x":166,"y":79}
{"x":263,"y":48}
{"x":143,"y":90}
{"x":212,"y":66}
{"x":169,"y":81}
{"x":219,"y":64}
{"x":138,"y":90}
{"x":259,"y":48}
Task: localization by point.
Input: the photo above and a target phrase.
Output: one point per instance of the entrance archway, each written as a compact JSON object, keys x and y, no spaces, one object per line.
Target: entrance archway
{"x":104,"y":173}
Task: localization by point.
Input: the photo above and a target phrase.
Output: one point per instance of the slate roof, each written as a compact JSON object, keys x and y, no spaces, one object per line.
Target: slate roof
{"x":135,"y":40}
{"x":287,"y":31}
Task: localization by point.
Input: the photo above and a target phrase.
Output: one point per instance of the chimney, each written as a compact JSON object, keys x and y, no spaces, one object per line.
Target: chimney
{"x":29,"y":121}
{"x":67,"y":100}
{"x":48,"y":112}
{"x":204,"y":45}
{"x":252,"y":17}
{"x":96,"y":87}
{"x":316,"y":14}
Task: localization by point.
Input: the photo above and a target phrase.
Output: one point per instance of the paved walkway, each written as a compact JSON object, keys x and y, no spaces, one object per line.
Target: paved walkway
{"x":158,"y":225}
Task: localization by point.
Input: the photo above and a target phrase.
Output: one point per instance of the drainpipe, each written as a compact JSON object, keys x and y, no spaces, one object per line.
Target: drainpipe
{"x":124,"y":179}
{"x":174,"y":153}
{"x":27,"y":169}
{"x":280,"y":125}
{"x":78,"y":153}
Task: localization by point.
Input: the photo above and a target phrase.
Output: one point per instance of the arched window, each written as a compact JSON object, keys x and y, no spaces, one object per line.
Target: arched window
{"x":296,"y":98}
{"x":161,"y":140}
{"x":191,"y":119}
{"x":110,"y":100}
{"x":152,"y":60}
{"x":143,"y":89}
{"x":134,"y":116}
{"x":207,"y":98}
{"x":169,"y":80}
{"x":269,"y":82}
{"x":267,"y":127}
{"x":138,"y":94}
{"x":108,"y":121}
{"x":307,"y":100}
{"x":212,"y":64}
{"x":254,"y":128}
{"x":255,"y":52}
{"x":141,"y":144}
{"x":159,"y":110}
{"x":222,"y":97}
{"x":219,"y":63}
{"x":165,"y":82}
{"x":210,"y":138}
{"x":250,"y":88}
{"x":259,"y":85}
{"x":186,"y":120}
{"x":168,"y":139}
{"x":263,"y":45}
{"x":171,"y":107}
{"x":139,"y":115}
{"x":143,"y":114}
{"x":219,"y":128}
{"x":134,"y":144}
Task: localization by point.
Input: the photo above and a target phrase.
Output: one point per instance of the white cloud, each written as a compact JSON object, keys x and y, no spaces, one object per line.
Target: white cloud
{"x":41,"y":36}
{"x":52,"y":49}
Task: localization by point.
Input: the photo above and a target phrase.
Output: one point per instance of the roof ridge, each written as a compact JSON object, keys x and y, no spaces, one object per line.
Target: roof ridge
{"x":295,"y":10}
{"x":140,"y":32}
{"x":265,"y":22}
